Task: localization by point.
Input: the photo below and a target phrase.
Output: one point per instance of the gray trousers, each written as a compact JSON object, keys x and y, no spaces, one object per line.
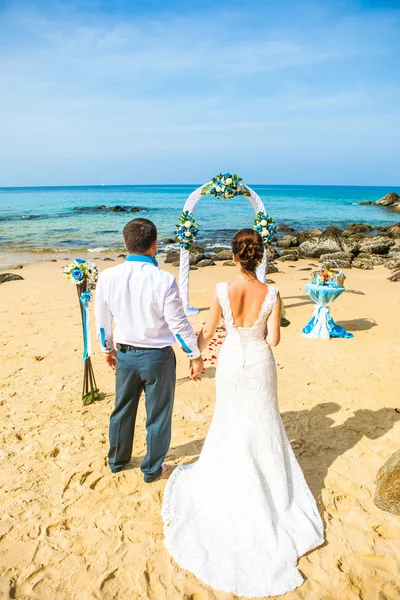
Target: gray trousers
{"x":154,"y":372}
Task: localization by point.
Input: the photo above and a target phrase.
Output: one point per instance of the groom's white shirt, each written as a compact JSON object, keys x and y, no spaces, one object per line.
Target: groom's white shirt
{"x":146,"y":307}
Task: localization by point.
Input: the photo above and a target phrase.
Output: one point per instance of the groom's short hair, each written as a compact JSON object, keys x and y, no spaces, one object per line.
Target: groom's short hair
{"x":139,"y":235}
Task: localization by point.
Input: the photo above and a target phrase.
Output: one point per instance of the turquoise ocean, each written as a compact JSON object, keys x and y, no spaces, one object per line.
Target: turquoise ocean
{"x":60,"y":219}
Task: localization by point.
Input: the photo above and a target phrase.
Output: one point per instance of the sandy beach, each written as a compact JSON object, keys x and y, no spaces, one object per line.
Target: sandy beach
{"x":70,"y":529}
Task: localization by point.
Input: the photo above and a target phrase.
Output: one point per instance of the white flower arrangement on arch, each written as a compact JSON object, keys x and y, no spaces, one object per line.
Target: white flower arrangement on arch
{"x":186,"y":230}
{"x":265,"y":226}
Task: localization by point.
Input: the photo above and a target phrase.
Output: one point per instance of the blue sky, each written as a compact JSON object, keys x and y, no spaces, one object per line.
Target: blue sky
{"x":173,"y":91}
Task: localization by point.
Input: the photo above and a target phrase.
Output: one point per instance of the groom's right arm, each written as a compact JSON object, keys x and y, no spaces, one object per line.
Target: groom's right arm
{"x":179,"y":324}
{"x":104,"y":323}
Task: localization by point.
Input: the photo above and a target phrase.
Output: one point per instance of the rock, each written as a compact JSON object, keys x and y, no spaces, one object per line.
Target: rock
{"x":271,"y":268}
{"x":389,"y":200}
{"x":108,"y":259}
{"x":355,"y":292}
{"x":269,"y":281}
{"x":395,"y":276}
{"x":196,"y":249}
{"x":285,"y":228}
{"x":169,"y":241}
{"x":307,"y":234}
{"x":288,"y":251}
{"x":288,"y":241}
{"x":4,"y":277}
{"x":289,"y":257}
{"x":18,"y":267}
{"x":172,"y":256}
{"x":342,"y":264}
{"x":176,"y":264}
{"x":196,"y":258}
{"x":394,"y":254}
{"x":272,"y":253}
{"x":193,"y":268}
{"x":101,"y":207}
{"x":224,"y":255}
{"x":53,"y":260}
{"x":394,"y":230}
{"x":378,"y":260}
{"x":366,"y":203}
{"x":229,"y":263}
{"x":376,"y":245}
{"x":306,"y":269}
{"x":316,"y":246}
{"x":207,"y":262}
{"x":346,"y":256}
{"x":366,"y":265}
{"x":219,"y":249}
{"x":118,"y":209}
{"x":387,"y":493}
{"x":135,"y":209}
{"x":121,"y":256}
{"x":333,"y":231}
{"x":357,"y":228}
{"x":393,"y":265}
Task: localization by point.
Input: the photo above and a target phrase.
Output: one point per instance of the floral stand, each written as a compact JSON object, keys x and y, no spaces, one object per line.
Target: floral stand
{"x":322,"y":325}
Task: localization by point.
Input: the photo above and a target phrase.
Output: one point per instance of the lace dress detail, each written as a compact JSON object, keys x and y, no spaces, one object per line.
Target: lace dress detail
{"x":240,"y":517}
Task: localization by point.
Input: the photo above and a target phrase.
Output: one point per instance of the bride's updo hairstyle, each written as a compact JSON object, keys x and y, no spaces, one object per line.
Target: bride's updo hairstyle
{"x":248,"y":249}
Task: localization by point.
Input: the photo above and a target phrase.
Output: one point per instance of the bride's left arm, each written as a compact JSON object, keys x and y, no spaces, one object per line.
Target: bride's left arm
{"x":211,"y":324}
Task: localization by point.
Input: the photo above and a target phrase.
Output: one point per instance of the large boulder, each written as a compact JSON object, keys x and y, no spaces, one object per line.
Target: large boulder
{"x":207,"y":262}
{"x":394,"y":230}
{"x":272,"y":253}
{"x":4,"y":277}
{"x":316,"y":246}
{"x":271,"y":268}
{"x":224,"y":254}
{"x":387,"y":493}
{"x":290,"y":257}
{"x":376,"y":245}
{"x":357,"y":228}
{"x":197,"y":257}
{"x":332,"y":231}
{"x":172,"y":256}
{"x":393,"y":265}
{"x":394,"y":254}
{"x":308,"y":234}
{"x":229,"y":263}
{"x":395,"y":276}
{"x":285,"y":228}
{"x":288,"y":241}
{"x":364,"y":264}
{"x":389,"y":200}
{"x":346,"y":256}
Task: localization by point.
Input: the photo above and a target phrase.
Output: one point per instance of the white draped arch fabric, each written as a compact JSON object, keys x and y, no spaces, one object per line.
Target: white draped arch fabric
{"x":184,"y":269}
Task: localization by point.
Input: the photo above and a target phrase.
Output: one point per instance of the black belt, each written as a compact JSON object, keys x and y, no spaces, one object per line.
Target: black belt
{"x":127,"y":348}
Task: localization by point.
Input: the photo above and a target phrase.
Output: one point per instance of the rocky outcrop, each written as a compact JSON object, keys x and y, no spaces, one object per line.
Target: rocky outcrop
{"x":224,"y":254}
{"x":172,"y":256}
{"x":4,"y":277}
{"x":376,"y":245}
{"x":207,"y":262}
{"x":288,"y":241}
{"x":391,"y":201}
{"x":316,"y":246}
{"x":395,"y":276}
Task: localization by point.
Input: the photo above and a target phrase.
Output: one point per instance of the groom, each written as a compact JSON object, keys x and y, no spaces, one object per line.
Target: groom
{"x":148,"y":315}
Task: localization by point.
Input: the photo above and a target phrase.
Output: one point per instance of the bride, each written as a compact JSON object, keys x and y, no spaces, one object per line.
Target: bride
{"x":241,"y":516}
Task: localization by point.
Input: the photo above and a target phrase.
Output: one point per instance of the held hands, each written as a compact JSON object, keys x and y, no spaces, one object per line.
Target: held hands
{"x":111,"y":359}
{"x":196,"y":369}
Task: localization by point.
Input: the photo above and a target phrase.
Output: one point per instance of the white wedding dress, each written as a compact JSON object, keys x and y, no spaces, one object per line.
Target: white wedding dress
{"x":240,"y":516}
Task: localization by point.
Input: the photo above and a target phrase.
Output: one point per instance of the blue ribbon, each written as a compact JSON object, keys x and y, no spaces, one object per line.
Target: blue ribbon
{"x":321,"y":324}
{"x":84,"y":299}
{"x":142,"y":258}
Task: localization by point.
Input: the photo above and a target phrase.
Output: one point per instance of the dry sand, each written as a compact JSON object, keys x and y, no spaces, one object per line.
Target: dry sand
{"x":71,"y":529}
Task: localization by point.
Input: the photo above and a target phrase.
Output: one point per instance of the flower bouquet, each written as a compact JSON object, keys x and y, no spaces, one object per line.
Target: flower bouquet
{"x":186,"y":230}
{"x":265,"y":226}
{"x":84,"y":275}
{"x":226,"y":186}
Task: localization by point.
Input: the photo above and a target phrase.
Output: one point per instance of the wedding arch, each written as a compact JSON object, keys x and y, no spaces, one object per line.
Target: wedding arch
{"x":222,"y":186}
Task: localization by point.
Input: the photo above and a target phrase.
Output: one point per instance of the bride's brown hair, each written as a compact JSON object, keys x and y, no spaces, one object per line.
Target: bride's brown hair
{"x":248,"y":248}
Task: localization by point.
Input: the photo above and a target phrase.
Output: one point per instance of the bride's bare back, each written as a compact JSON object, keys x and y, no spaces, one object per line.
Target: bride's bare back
{"x":246,"y":298}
